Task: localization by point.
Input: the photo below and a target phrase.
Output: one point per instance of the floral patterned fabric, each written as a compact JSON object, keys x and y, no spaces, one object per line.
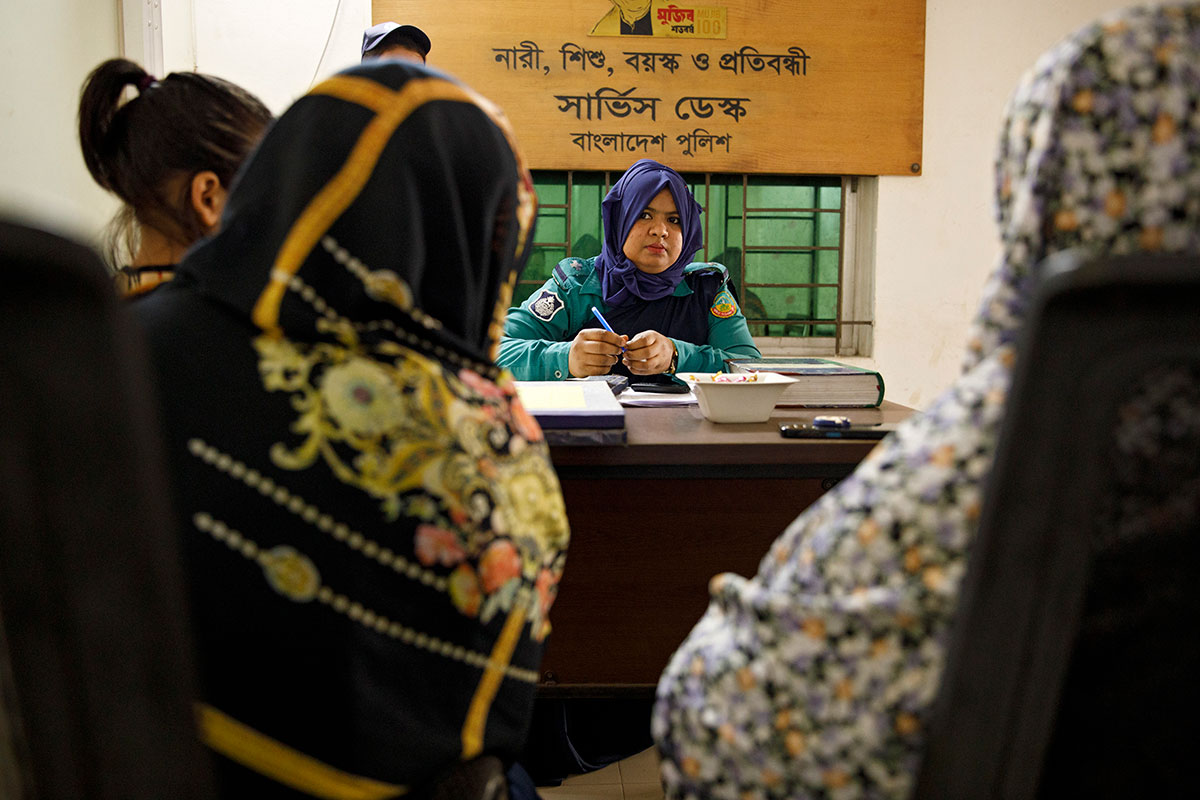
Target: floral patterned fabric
{"x":373,"y":532}
{"x":815,"y":677}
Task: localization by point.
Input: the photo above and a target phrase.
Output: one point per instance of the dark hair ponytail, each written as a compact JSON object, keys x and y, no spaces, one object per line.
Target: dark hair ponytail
{"x":177,"y":127}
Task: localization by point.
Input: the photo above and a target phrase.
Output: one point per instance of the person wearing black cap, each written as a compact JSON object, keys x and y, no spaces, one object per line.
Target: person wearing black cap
{"x":393,"y":40}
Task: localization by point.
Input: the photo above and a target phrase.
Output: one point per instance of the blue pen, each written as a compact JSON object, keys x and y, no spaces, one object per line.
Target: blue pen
{"x":604,"y":322}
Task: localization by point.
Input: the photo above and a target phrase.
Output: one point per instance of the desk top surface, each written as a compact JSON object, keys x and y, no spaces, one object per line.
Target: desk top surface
{"x":676,"y":435}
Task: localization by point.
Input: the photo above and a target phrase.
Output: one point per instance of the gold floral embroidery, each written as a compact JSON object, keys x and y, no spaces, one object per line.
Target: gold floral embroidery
{"x":449,"y":450}
{"x":291,"y":565}
{"x":313,"y":515}
{"x":360,"y":398}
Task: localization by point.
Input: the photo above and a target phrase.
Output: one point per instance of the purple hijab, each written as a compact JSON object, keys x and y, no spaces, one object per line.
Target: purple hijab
{"x":620,"y":279}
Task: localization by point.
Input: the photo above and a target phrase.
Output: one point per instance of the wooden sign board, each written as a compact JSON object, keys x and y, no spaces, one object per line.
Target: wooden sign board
{"x":792,"y":87}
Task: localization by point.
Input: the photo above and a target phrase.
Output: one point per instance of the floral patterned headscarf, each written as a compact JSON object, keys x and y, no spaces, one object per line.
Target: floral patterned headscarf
{"x":815,"y":677}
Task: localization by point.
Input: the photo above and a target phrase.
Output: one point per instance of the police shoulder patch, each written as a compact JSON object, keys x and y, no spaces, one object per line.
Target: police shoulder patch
{"x":546,"y":305}
{"x":723,"y":305}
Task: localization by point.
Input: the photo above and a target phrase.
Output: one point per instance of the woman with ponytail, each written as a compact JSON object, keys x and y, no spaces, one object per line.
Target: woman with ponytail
{"x":169,"y":153}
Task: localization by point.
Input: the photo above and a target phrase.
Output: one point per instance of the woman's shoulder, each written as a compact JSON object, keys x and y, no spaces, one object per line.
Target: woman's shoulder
{"x":572,"y":270}
{"x":707,"y":271}
{"x":578,"y":266}
{"x":709,"y":279}
{"x":712,"y":267}
{"x":133,"y":282}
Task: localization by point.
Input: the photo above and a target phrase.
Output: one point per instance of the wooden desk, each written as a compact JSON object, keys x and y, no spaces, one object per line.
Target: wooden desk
{"x":652,"y":521}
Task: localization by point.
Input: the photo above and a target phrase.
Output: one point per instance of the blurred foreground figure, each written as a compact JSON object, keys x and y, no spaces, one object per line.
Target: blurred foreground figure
{"x":815,"y":677}
{"x":373,"y":532}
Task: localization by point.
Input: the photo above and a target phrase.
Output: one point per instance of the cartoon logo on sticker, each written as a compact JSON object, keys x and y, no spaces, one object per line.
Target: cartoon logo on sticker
{"x":723,"y":305}
{"x":546,"y":305}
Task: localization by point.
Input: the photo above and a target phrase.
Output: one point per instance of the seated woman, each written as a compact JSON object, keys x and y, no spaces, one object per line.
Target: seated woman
{"x":815,"y":678}
{"x":169,"y":154}
{"x":372,"y":529}
{"x":666,"y":314}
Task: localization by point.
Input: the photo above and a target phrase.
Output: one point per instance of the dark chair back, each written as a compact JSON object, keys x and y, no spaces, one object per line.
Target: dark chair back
{"x":1074,"y":660}
{"x":95,"y":663}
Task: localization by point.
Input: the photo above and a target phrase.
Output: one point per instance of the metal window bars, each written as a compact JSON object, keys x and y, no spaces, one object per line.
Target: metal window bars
{"x":808,"y":329}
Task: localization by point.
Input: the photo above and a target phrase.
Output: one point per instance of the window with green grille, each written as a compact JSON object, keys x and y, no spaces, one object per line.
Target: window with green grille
{"x":782,"y":238}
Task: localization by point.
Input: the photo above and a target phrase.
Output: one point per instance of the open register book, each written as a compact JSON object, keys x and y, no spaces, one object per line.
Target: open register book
{"x":818,"y":381}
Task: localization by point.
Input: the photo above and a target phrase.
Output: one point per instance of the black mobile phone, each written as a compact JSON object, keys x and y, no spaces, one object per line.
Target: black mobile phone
{"x":803,"y":430}
{"x":663,"y":383}
{"x":617,"y":383}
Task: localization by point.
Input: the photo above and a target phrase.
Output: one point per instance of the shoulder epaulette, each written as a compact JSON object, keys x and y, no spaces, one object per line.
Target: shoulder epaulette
{"x":577,"y":269}
{"x":705,"y":269}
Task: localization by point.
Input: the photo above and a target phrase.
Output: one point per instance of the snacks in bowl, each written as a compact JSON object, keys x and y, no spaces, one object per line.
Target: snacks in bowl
{"x":737,"y":397}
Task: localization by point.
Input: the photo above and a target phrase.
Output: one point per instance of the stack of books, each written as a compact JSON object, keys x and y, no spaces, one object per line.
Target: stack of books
{"x":574,"y":412}
{"x":818,"y":382}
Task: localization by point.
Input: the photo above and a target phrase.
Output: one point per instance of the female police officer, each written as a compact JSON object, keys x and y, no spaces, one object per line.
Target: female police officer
{"x":666,"y":314}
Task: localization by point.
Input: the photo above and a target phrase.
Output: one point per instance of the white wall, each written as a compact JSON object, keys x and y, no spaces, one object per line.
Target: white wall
{"x":47,"y":48}
{"x":936,"y":241}
{"x":936,"y":238}
{"x":275,"y":48}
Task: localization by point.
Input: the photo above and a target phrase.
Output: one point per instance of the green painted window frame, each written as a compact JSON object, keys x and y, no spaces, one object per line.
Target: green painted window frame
{"x":790,"y":243}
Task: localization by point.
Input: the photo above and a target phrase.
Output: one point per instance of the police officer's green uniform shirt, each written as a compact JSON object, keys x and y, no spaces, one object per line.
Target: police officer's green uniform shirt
{"x":538,"y":333}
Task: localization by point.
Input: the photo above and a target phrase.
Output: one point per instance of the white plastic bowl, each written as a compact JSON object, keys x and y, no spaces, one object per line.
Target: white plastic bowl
{"x":724,"y":400}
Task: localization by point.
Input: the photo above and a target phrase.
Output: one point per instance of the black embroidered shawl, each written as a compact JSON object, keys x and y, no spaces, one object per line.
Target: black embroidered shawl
{"x":372,"y":528}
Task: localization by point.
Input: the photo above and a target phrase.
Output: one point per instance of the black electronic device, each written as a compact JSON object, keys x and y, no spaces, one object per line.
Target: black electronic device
{"x":662,"y":383}
{"x":803,"y":430}
{"x":617,"y":383}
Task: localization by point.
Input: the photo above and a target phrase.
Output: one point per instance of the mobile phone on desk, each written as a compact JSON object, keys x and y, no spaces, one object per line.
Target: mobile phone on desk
{"x":662,"y":383}
{"x":617,"y":383}
{"x":804,"y":430}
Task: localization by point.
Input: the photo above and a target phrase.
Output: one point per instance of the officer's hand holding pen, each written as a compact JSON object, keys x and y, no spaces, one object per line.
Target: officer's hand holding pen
{"x":594,"y":351}
{"x":649,"y":353}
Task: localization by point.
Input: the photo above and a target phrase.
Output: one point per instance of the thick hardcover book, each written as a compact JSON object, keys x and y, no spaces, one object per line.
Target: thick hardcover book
{"x":571,"y":404}
{"x":557,"y":437}
{"x":818,"y":381}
